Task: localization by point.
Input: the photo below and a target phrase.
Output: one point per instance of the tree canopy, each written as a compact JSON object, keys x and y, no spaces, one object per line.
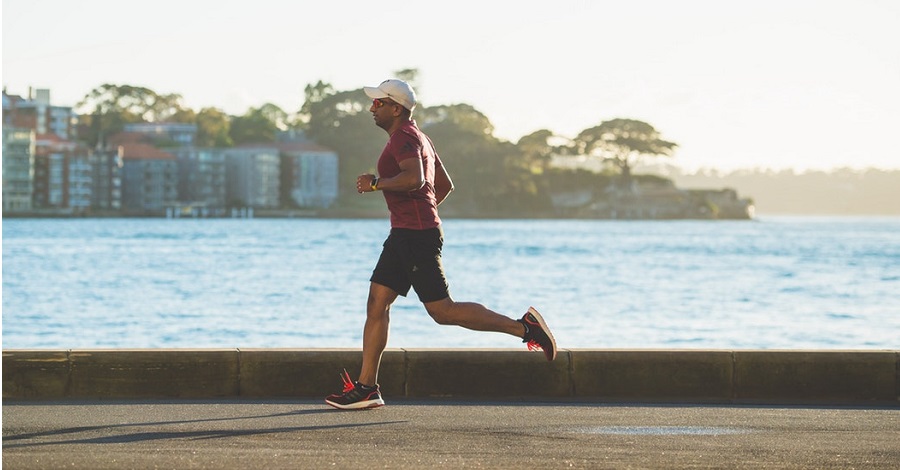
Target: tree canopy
{"x":258,"y":125}
{"x":213,"y":128}
{"x":342,"y":122}
{"x":623,"y":142}
{"x":107,"y":108}
{"x":494,"y":176}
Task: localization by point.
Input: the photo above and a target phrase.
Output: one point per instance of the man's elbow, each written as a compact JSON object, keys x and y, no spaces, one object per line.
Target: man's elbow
{"x":414,"y":184}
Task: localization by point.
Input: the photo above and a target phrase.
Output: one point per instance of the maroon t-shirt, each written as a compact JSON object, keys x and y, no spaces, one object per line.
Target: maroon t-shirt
{"x":416,"y":209}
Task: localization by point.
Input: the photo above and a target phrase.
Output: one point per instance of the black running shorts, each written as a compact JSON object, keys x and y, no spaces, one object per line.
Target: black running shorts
{"x":413,"y":258}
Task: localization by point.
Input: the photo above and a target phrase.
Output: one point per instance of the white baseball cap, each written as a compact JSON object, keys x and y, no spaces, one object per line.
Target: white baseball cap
{"x":397,"y":90}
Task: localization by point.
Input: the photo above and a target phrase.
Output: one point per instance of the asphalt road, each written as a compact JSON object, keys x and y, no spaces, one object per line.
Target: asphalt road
{"x":417,"y":434}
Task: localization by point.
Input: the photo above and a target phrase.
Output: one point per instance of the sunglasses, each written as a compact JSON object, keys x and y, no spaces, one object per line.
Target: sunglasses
{"x":379,"y":102}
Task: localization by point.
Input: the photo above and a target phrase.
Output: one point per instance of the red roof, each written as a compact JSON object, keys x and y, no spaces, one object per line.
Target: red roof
{"x":49,"y":136}
{"x":144,"y":152}
{"x":54,"y":142}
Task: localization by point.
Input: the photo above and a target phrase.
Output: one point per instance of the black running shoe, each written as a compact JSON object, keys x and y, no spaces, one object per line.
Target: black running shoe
{"x":355,"y":396}
{"x":537,"y":334}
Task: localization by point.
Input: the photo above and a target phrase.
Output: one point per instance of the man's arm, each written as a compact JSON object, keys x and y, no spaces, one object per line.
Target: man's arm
{"x":410,"y":178}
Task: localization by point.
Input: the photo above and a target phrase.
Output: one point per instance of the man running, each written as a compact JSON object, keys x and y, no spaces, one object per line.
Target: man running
{"x":414,"y":182}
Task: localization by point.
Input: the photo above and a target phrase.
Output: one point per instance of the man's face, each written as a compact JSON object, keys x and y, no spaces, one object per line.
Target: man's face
{"x":384,"y":110}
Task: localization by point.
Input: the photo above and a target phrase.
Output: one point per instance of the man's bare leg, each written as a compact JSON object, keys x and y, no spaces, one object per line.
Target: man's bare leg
{"x":375,"y":333}
{"x":473,"y":316}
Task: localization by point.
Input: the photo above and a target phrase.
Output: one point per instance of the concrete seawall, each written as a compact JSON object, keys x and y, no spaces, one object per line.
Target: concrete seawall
{"x":652,"y":376}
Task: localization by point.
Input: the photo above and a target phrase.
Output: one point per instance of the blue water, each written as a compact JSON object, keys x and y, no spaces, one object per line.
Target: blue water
{"x":826,"y":283}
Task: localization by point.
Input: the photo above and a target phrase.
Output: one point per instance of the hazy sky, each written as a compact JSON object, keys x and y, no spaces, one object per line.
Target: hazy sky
{"x":763,"y":83}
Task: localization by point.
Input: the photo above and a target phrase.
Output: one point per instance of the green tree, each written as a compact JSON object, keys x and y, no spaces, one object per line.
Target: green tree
{"x":623,"y":142}
{"x":313,"y":94}
{"x":485,"y":170}
{"x":168,"y":108}
{"x":275,"y":115}
{"x":213,"y":128}
{"x":463,"y":117}
{"x":257,"y":125}
{"x":342,"y":122}
{"x":407,"y":75}
{"x":536,"y":150}
{"x":183,"y":115}
{"x":106,"y":109}
{"x":123,"y":99}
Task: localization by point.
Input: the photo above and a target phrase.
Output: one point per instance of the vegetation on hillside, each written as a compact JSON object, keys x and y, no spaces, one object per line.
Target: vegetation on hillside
{"x":494,"y":177}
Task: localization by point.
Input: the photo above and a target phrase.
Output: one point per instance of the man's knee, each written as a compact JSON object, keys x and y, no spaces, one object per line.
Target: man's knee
{"x":441,"y":311}
{"x":379,"y":301}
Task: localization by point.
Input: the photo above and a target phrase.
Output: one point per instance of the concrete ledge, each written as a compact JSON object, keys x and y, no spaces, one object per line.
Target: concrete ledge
{"x":856,"y":376}
{"x":35,"y":374}
{"x":654,"y":375}
{"x":659,"y":376}
{"x":485,"y":373}
{"x":152,"y":373}
{"x":311,"y":372}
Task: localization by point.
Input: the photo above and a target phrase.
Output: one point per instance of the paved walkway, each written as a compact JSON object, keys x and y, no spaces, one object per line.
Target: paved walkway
{"x":280,"y":434}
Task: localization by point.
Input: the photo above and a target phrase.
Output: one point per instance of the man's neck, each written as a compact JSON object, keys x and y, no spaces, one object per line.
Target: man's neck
{"x":398,"y":124}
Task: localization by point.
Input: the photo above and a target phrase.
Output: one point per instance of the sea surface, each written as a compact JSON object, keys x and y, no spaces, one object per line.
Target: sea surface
{"x":771,"y":283}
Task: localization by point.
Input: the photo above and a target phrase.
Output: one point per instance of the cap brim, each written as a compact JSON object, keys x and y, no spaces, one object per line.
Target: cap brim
{"x":375,"y":93}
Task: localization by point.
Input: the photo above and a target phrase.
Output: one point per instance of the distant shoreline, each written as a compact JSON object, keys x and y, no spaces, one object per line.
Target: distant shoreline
{"x":368,"y":215}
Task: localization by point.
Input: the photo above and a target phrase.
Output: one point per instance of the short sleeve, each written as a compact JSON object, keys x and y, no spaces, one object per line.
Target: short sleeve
{"x":406,"y":147}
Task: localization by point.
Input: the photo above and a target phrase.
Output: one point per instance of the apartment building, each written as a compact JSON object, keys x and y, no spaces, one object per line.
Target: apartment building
{"x":62,"y":175}
{"x":150,"y":167}
{"x":36,"y":112}
{"x":18,"y":169}
{"x":309,"y":174}
{"x":252,"y":176}
{"x":201,"y":177}
{"x":165,"y":134}
{"x":149,"y":179}
{"x":106,"y":179}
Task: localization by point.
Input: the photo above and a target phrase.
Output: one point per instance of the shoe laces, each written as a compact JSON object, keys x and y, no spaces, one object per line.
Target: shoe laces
{"x":529,"y":339}
{"x":348,"y":382}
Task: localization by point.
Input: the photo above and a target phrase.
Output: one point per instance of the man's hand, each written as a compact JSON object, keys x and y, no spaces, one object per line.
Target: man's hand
{"x":364,"y":183}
